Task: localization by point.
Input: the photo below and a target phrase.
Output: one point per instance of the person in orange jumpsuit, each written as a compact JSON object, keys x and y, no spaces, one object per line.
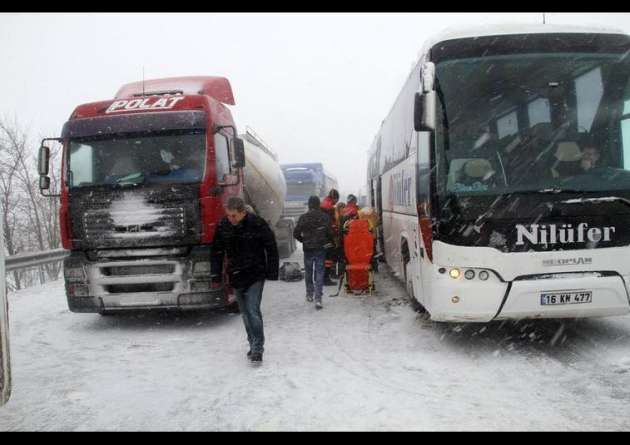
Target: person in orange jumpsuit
{"x":352,"y":209}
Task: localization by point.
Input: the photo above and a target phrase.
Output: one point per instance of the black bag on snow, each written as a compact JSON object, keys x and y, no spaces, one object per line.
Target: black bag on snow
{"x":290,"y":271}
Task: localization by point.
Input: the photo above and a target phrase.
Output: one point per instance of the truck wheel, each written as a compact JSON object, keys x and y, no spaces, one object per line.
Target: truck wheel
{"x":233,"y":308}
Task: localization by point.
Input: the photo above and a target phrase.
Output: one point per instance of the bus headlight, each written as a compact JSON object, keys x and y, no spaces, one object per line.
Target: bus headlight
{"x":470,"y":274}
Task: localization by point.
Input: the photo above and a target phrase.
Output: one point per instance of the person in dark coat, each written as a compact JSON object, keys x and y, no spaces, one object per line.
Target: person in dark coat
{"x":328,"y":206}
{"x":252,"y":258}
{"x":314,"y":231}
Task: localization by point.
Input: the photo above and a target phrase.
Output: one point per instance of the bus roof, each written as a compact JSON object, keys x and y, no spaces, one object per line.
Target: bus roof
{"x":453,"y":33}
{"x":309,"y":165}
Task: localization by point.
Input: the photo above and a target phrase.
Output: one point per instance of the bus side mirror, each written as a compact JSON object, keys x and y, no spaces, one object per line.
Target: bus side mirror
{"x":239,"y":153}
{"x":424,"y":111}
{"x":42,"y":161}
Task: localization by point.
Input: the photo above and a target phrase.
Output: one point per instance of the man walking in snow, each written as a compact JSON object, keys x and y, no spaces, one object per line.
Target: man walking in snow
{"x":314,"y":231}
{"x":252,"y":254}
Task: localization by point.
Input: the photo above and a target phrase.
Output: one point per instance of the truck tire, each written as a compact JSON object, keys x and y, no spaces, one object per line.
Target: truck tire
{"x":233,"y":308}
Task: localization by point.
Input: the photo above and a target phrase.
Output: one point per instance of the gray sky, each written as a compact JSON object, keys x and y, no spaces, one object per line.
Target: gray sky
{"x":314,"y":86}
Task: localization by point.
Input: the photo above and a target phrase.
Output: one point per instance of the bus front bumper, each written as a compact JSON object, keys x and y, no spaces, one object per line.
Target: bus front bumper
{"x":569,"y":296}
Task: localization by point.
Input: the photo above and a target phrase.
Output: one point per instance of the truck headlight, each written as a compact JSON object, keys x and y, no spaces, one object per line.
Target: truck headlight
{"x":200,"y":286}
{"x":78,"y":290}
{"x":74,"y":273}
{"x":201,"y":267}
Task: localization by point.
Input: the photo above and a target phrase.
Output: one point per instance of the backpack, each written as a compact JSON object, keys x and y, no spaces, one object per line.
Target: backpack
{"x":290,"y":271}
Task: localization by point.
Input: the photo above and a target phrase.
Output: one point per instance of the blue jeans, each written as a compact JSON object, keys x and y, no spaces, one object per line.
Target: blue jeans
{"x":314,"y":265}
{"x":249,"y":304}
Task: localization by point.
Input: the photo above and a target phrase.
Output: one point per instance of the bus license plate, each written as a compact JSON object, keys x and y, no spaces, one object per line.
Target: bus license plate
{"x":568,"y":297}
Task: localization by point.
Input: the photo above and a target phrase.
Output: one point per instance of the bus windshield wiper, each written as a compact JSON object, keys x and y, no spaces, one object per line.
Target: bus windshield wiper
{"x":597,"y":200}
{"x":548,"y":191}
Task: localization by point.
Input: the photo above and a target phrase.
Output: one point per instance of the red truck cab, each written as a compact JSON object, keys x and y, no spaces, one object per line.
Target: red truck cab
{"x":145,"y":177}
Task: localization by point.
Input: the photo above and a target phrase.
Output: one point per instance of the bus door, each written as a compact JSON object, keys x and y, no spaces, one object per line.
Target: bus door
{"x":423,"y":205}
{"x":378,"y":202}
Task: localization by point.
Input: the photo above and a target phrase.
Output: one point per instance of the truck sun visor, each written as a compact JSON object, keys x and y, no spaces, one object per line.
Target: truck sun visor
{"x":134,"y":123}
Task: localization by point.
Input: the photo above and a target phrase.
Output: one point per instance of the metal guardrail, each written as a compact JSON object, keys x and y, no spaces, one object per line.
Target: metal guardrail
{"x":30,"y":259}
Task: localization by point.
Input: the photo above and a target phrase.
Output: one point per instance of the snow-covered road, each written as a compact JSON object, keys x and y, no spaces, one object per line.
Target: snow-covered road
{"x":362,"y":363}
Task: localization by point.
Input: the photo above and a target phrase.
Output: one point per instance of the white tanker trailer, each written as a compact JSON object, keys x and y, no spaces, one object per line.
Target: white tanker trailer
{"x":266,"y":189}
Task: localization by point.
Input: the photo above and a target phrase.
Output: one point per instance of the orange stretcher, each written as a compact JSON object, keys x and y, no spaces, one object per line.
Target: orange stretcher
{"x":358,"y":246}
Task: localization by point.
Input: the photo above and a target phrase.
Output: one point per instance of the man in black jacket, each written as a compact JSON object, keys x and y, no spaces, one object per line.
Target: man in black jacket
{"x":314,"y":231}
{"x":252,"y":256}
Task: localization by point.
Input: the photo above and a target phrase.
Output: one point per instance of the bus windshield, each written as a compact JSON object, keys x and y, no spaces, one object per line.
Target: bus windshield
{"x":130,"y":159}
{"x":302,"y":189}
{"x":529,"y":122}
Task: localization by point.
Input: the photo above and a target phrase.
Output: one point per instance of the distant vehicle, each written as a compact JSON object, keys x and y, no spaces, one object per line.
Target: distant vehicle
{"x":304,"y":180}
{"x":5,"y":369}
{"x":145,"y":180}
{"x":483,"y":176}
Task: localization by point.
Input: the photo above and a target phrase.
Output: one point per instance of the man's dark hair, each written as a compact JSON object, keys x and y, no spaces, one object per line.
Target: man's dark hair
{"x":235,"y":204}
{"x":333,"y":193}
{"x":351,"y":198}
{"x":313,"y":202}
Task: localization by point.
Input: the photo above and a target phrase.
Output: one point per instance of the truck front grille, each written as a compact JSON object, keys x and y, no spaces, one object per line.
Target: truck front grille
{"x":138,"y":270}
{"x":142,"y":223}
{"x":139,"y":287}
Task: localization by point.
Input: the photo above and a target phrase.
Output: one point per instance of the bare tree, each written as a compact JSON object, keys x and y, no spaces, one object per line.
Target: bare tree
{"x":31,"y":220}
{"x":9,"y":194}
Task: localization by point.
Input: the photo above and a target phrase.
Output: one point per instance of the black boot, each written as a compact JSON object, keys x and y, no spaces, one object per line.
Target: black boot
{"x":327,"y":280}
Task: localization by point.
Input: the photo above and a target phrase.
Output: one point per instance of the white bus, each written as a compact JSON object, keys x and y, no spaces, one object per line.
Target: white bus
{"x":502,"y":175}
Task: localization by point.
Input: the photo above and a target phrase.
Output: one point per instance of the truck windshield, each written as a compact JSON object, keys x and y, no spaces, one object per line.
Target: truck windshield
{"x":128,"y":159}
{"x":532,"y":122}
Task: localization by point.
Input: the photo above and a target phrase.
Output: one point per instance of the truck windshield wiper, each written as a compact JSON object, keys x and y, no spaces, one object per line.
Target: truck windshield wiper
{"x":131,"y":179}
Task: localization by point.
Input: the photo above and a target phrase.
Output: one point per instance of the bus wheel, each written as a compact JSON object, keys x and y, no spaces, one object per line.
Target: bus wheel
{"x":415,"y":304}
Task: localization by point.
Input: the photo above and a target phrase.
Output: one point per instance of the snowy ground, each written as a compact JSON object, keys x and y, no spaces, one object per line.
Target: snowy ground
{"x":362,"y":363}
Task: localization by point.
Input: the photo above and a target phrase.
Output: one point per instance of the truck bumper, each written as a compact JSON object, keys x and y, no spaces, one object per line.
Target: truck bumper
{"x":142,"y":301}
{"x":149,"y":282}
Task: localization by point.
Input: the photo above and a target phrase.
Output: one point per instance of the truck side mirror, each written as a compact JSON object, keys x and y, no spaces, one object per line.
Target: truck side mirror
{"x":42,"y":161}
{"x":239,"y":153}
{"x":44,"y":182}
{"x":424,"y":111}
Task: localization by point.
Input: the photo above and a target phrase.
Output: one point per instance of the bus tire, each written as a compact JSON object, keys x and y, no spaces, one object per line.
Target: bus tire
{"x":415,"y":304}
